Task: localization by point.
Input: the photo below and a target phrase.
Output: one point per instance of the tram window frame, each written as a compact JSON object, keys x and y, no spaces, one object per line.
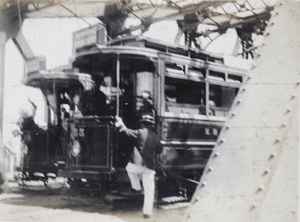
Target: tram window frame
{"x":234,"y":78}
{"x":220,"y":99}
{"x":194,"y":91}
{"x":135,"y":97}
{"x":129,"y":65}
{"x":144,"y":92}
{"x":106,"y":65}
{"x":217,"y":76}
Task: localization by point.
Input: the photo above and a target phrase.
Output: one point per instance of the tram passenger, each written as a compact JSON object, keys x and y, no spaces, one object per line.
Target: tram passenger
{"x":93,"y":102}
{"x":34,"y":136}
{"x":27,"y":115}
{"x":75,"y":110}
{"x":143,"y":159}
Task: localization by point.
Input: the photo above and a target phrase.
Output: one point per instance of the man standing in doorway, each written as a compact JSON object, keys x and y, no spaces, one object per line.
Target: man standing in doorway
{"x":143,"y":159}
{"x":93,"y":102}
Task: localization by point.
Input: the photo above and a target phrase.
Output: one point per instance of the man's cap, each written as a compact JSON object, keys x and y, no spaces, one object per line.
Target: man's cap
{"x":147,"y":119}
{"x":97,"y":76}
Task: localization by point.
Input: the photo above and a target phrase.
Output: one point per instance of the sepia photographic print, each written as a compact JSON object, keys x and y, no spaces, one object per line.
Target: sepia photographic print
{"x":149,"y":110}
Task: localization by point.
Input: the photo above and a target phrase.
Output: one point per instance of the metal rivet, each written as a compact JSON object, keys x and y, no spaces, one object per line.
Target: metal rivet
{"x":278,"y":139}
{"x":249,"y":77}
{"x":288,"y":110}
{"x":267,"y":171}
{"x":239,"y":101}
{"x":216,"y":154}
{"x":227,"y":127}
{"x":260,"y":188}
{"x":233,"y":114}
{"x":244,"y":89}
{"x":283,"y":125}
{"x":203,"y":184}
{"x":254,"y":205}
{"x":222,"y":140}
{"x":293,"y":96}
{"x":210,"y":169}
{"x":253,"y":65}
{"x":272,"y":156}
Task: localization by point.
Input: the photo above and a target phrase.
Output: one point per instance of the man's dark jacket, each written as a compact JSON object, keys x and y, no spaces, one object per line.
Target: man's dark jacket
{"x":147,"y":143}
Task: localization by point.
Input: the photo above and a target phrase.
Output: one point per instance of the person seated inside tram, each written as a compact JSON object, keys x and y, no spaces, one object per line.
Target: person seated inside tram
{"x":65,"y":115}
{"x":74,"y":106}
{"x":93,"y":102}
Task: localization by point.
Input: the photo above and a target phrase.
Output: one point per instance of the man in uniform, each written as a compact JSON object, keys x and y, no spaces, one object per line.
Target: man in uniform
{"x":143,"y":159}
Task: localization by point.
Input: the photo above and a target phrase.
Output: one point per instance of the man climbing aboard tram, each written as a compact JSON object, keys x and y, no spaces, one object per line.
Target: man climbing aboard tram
{"x":143,"y":159}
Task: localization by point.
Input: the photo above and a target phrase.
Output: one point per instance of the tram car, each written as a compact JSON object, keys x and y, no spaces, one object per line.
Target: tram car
{"x":44,"y":146}
{"x":188,"y":92}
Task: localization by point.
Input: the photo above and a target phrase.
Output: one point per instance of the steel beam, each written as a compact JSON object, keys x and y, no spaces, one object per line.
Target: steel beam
{"x":256,"y":161}
{"x":2,"y":62}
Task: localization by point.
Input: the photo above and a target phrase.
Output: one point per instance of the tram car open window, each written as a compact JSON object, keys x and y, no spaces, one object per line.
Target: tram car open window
{"x":184,"y":96}
{"x":144,"y":93}
{"x":221,"y":99}
{"x":99,"y":66}
{"x":137,"y":92}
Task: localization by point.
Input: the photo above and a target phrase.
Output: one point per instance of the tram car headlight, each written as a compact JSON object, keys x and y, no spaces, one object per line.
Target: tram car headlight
{"x":76,"y":148}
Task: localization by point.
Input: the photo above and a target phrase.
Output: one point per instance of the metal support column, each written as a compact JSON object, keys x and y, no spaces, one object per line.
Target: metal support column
{"x":2,"y":59}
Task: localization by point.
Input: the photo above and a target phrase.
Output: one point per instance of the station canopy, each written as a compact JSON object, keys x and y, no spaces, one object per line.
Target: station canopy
{"x":219,"y":13}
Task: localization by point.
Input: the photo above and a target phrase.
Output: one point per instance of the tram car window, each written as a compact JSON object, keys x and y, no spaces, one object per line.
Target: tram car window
{"x":144,"y":93}
{"x":221,"y":99}
{"x":184,"y":96}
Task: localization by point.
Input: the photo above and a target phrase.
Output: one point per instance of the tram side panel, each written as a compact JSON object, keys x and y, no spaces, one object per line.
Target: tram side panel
{"x":90,"y":148}
{"x":187,"y":145}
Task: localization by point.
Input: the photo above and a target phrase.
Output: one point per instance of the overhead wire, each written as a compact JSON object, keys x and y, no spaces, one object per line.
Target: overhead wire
{"x":211,"y":41}
{"x":76,"y":15}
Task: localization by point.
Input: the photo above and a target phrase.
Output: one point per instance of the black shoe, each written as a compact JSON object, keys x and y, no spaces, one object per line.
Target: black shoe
{"x":136,"y":192}
{"x":146,"y":216}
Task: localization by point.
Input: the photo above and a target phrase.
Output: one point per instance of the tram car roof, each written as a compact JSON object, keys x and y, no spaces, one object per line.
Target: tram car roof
{"x":168,"y":47}
{"x":149,"y":47}
{"x":59,"y":79}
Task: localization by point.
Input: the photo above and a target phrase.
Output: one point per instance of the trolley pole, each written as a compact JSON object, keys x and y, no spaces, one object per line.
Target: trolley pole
{"x":2,"y":60}
{"x":118,"y":84}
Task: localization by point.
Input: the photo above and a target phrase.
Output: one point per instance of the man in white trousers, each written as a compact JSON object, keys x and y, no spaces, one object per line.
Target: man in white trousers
{"x":143,"y":159}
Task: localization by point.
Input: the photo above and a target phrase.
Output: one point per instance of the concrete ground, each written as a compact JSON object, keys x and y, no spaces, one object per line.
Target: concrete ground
{"x":37,"y":203}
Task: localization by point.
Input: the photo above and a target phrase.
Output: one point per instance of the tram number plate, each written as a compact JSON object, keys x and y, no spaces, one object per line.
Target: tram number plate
{"x":79,"y":132}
